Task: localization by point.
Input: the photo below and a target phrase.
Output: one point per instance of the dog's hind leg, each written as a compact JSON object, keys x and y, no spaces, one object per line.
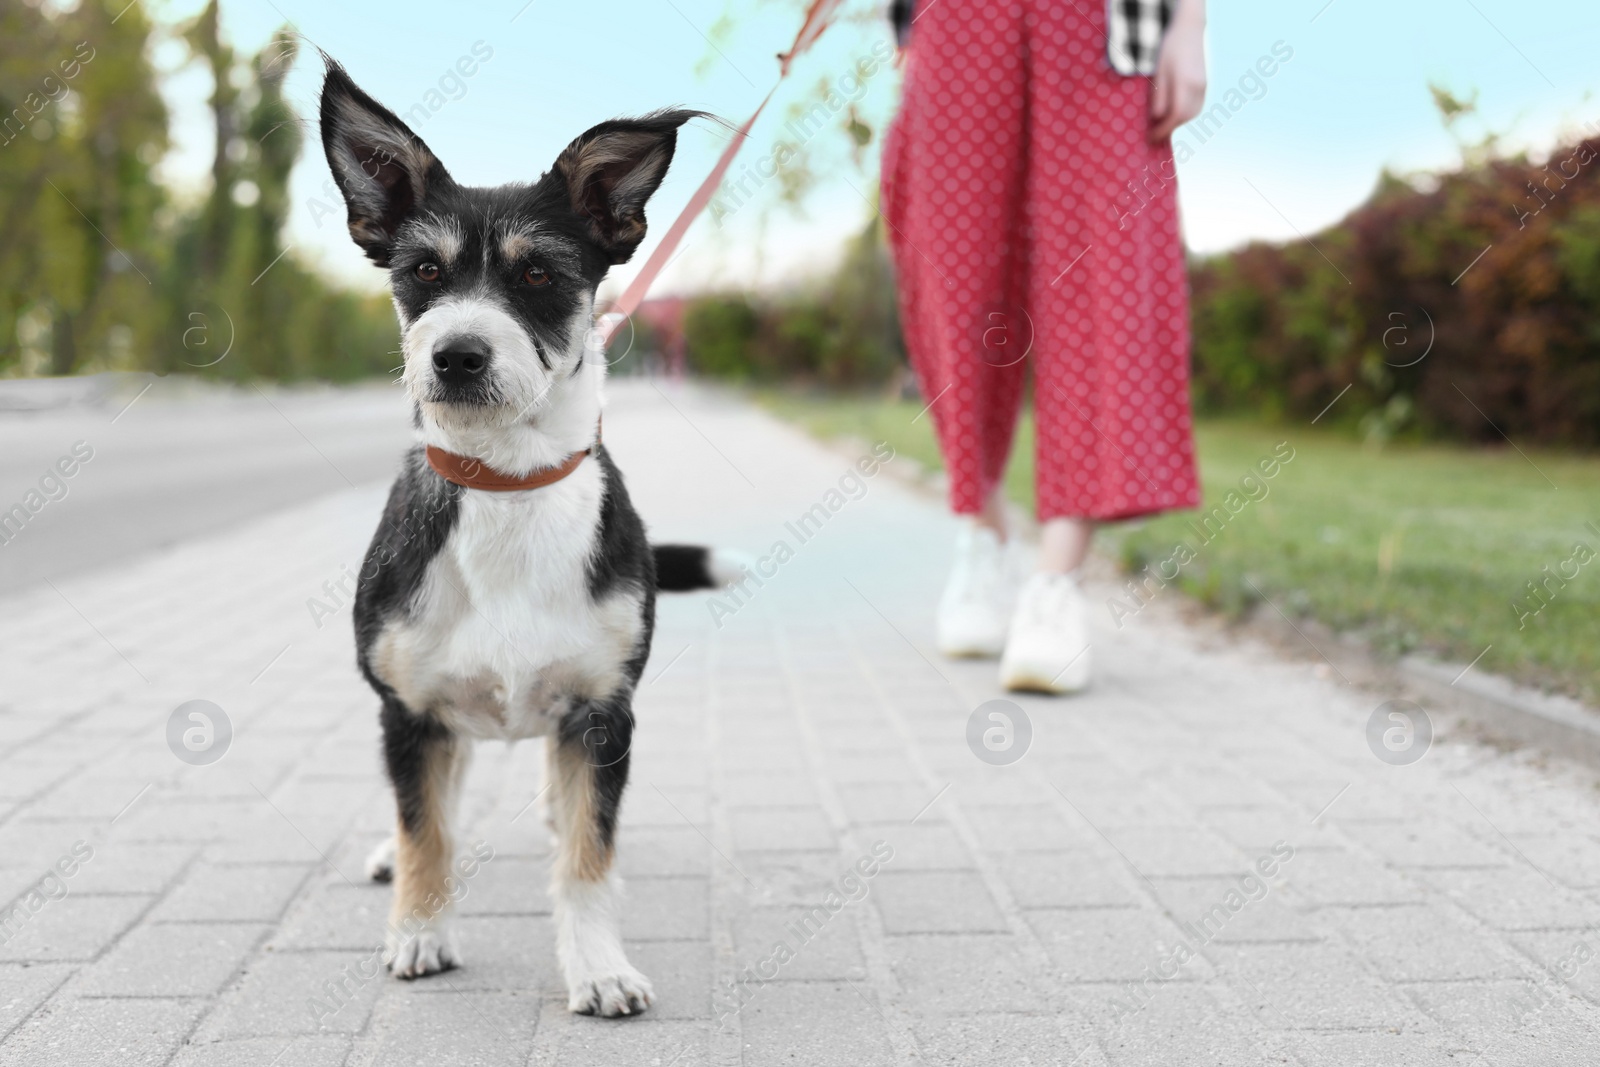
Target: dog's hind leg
{"x":380,"y":861}
{"x":426,"y":764}
{"x":588,"y":769}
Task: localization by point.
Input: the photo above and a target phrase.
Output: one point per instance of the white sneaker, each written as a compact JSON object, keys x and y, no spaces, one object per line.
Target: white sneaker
{"x":1048,"y":650}
{"x":976,"y":600}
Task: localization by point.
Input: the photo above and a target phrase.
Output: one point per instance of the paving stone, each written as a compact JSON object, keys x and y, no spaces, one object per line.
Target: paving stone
{"x":1254,"y":830}
{"x":666,"y":909}
{"x":764,"y":829}
{"x":1077,"y":879}
{"x":283,"y":994}
{"x":1381,"y":1048}
{"x":506,"y":886}
{"x":664,"y":851}
{"x":1572,"y":955}
{"x":440,"y":1025}
{"x":1482,"y":1012}
{"x":23,"y":987}
{"x":1323,"y":876}
{"x":171,"y":960}
{"x":1017,"y":828}
{"x":679,"y":973}
{"x":784,"y":1029}
{"x":335,"y":916}
{"x":301,"y":1050}
{"x":923,"y":846}
{"x":1418,"y":943}
{"x":129,"y":867}
{"x":892,"y":803}
{"x":824,"y":946}
{"x":76,"y":927}
{"x":931,"y":902}
{"x":91,"y":1031}
{"x":1233,"y":910}
{"x":1089,"y":945}
{"x":1431,"y":845}
{"x":251,"y":893}
{"x":1180,"y":1024}
{"x":576,"y":1042}
{"x":958,"y":974}
{"x":769,"y":790}
{"x":507,"y":952}
{"x":1516,"y":898}
{"x":1159,"y":851}
{"x":995,"y":1037}
{"x":1312,"y":987}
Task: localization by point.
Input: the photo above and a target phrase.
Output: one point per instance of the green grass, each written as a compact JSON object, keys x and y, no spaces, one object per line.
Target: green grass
{"x":1412,"y":546}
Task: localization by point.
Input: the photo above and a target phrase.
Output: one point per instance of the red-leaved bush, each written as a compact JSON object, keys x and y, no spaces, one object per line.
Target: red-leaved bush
{"x":1493,"y":271}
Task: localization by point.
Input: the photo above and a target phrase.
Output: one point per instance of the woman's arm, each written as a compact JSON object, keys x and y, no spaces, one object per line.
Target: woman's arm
{"x":1179,"y":88}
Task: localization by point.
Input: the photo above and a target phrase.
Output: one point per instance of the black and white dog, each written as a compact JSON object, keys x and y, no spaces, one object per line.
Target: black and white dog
{"x":509,"y":591}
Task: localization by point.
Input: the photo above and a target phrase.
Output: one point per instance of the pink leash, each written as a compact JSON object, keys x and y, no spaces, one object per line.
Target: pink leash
{"x":818,"y":18}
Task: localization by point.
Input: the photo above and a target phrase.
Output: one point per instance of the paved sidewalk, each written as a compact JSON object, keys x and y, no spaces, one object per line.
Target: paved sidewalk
{"x":1094,"y":903}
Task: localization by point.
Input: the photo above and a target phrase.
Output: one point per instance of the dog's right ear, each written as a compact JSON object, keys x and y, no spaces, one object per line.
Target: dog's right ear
{"x":382,"y":168}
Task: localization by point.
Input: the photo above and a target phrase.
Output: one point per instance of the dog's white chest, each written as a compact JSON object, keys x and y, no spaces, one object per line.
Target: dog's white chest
{"x":504,"y":636}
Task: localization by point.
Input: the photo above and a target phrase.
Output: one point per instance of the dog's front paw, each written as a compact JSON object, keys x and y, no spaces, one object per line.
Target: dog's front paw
{"x":430,"y":950}
{"x":623,"y":992}
{"x":380,"y":861}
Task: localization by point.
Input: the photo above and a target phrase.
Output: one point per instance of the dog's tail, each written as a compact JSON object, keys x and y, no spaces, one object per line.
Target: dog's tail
{"x":681,"y":568}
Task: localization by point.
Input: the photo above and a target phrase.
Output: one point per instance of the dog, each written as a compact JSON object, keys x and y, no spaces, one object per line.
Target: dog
{"x":509,"y":591}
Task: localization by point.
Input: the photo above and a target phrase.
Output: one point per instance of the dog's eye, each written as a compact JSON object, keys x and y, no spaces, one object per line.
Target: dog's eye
{"x":428,"y":272}
{"x":535,"y":277}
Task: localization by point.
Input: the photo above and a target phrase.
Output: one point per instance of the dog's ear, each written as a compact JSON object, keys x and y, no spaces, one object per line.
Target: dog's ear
{"x":382,"y":168}
{"x":611,"y":171}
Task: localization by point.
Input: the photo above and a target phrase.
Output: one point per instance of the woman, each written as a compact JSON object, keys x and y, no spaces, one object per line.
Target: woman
{"x":1029,"y":187}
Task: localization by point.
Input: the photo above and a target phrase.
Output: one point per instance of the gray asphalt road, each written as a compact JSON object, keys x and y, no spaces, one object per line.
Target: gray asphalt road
{"x":180,"y":461}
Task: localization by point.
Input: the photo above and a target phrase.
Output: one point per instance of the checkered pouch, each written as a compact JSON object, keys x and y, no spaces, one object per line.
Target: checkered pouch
{"x":1134,"y":37}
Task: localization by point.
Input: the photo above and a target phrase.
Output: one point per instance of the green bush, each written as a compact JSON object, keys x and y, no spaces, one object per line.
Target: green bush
{"x":841,"y":331}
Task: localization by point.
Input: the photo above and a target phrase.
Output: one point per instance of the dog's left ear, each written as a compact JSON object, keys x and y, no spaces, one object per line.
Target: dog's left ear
{"x":611,"y":171}
{"x":383,"y":169}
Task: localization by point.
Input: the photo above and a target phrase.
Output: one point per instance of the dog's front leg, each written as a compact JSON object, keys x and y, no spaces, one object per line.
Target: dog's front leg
{"x":426,"y":764}
{"x":588,"y":769}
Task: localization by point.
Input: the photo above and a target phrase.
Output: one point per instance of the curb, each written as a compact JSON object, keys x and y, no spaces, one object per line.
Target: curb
{"x":1501,"y":708}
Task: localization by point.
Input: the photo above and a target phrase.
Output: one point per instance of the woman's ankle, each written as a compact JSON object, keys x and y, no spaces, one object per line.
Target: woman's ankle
{"x":984,"y":521}
{"x":993,"y":516}
{"x":1064,"y":545}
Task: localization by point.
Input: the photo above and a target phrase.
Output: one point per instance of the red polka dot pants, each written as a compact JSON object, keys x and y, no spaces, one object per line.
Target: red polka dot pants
{"x":1034,"y":226}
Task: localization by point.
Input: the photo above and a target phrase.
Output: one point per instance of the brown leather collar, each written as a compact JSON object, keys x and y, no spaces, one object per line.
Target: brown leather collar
{"x":475,"y":474}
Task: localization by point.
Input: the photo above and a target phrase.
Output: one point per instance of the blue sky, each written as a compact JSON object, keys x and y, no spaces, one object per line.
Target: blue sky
{"x":1352,"y":100}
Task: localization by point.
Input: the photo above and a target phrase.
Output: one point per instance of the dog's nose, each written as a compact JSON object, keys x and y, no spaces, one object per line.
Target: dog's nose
{"x":460,"y":360}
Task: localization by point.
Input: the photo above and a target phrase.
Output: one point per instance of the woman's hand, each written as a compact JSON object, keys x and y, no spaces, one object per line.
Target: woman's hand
{"x":1178,"y":90}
